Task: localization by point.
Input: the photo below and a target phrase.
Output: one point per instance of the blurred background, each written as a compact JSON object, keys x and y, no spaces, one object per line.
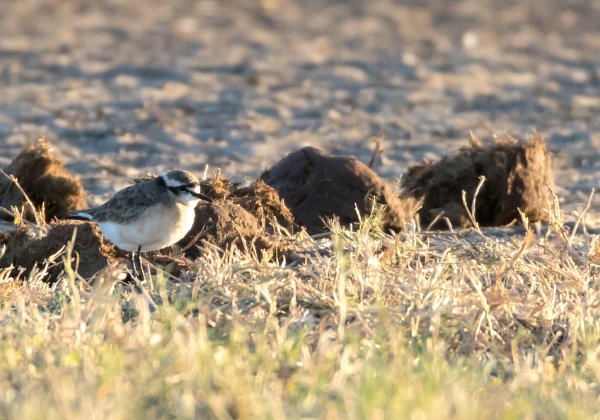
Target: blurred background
{"x":122,"y":88}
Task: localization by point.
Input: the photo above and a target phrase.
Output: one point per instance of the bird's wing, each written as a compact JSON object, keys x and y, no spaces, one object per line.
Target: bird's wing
{"x":129,"y":203}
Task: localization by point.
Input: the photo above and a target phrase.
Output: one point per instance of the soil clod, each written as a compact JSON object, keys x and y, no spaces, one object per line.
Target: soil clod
{"x":222,"y":223}
{"x":91,"y":252}
{"x":46,"y":182}
{"x":264,"y":202}
{"x":518,"y":176}
{"x":252,"y":217}
{"x":316,"y":187}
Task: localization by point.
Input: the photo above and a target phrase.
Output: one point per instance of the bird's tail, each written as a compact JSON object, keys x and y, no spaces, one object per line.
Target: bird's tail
{"x":79,"y":215}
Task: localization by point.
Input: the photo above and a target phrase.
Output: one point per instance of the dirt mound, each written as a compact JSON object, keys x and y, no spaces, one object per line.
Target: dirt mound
{"x":517,"y":177}
{"x":46,"y":182}
{"x":91,"y":252}
{"x":264,"y":203}
{"x":218,"y":187}
{"x":238,"y":216}
{"x":316,"y":186}
{"x":222,"y":223}
{"x":244,"y":217}
{"x":259,"y":199}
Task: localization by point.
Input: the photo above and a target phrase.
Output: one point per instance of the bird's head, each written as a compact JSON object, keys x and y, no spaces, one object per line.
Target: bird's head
{"x":184,"y":186}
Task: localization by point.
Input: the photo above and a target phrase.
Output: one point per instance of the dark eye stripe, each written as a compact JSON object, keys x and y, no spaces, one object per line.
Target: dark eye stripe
{"x":182,"y":188}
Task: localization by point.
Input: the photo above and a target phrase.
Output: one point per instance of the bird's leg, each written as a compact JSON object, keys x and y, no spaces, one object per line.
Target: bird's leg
{"x":136,"y":263}
{"x":133,"y":265}
{"x":136,"y":275}
{"x":141,"y":269}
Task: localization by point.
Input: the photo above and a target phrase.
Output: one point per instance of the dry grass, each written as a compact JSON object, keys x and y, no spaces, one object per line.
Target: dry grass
{"x":419,"y":325}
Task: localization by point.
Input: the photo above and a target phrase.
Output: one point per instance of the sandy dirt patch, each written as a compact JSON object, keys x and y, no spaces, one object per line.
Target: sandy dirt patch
{"x":121,"y":89}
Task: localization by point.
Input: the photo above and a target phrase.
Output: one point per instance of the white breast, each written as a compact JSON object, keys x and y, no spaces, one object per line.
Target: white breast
{"x":158,"y":227}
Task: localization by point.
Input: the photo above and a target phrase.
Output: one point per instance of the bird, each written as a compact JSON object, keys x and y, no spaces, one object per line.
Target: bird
{"x":151,"y":214}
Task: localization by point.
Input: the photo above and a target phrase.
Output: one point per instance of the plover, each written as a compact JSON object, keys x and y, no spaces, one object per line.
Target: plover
{"x":149,"y":215}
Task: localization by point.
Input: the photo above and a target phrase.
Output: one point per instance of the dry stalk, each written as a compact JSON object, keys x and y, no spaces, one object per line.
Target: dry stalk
{"x":377,"y":151}
{"x":581,"y":215}
{"x":472,"y":212}
{"x":14,"y":180}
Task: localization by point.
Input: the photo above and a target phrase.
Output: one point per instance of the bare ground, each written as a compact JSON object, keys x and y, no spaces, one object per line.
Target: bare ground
{"x":123,"y":89}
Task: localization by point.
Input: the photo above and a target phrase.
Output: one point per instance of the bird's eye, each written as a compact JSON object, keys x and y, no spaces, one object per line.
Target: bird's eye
{"x":182,"y":188}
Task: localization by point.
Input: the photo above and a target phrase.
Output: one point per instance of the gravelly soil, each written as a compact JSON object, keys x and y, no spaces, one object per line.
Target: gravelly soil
{"x":122,"y":88}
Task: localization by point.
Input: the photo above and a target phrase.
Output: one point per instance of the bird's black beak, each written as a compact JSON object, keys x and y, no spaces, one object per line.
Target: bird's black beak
{"x":201,"y":196}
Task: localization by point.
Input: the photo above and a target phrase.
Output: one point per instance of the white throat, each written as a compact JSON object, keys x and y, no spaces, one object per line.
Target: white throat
{"x":188,"y":199}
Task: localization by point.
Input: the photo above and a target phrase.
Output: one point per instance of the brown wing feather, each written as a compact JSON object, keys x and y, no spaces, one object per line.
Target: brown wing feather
{"x":130,"y":202}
